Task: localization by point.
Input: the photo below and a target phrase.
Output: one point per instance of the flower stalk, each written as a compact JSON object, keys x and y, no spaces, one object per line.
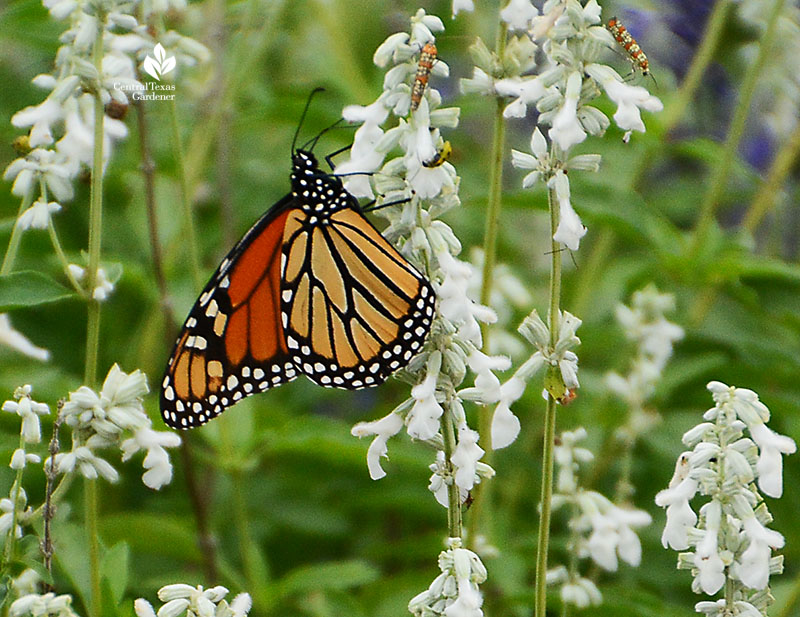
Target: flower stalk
{"x":93,"y":319}
{"x":543,"y":541}
{"x":186,"y":203}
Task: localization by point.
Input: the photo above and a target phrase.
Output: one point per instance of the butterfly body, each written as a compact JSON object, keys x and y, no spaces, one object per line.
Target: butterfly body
{"x":312,"y":288}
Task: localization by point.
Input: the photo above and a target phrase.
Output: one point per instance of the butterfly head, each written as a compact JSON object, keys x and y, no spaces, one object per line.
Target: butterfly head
{"x":304,"y":163}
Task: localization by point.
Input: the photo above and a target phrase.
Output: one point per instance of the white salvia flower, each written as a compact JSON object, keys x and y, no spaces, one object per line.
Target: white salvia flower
{"x":466,"y":457}
{"x":526,"y":91}
{"x":77,"y":144}
{"x":505,"y":425}
{"x":463,"y":5}
{"x":454,"y":593}
{"x":570,"y":229}
{"x":770,"y":463}
{"x":87,"y":463}
{"x":567,"y":130}
{"x":241,"y":605}
{"x":454,"y":302}
{"x":423,"y":419}
{"x":40,"y":118}
{"x":24,"y":512}
{"x":38,"y":215}
{"x":26,"y":583}
{"x":143,"y":608}
{"x":19,"y":342}
{"x":48,"y":604}
{"x":707,"y":560}
{"x":20,"y":458}
{"x":383,"y":429}
{"x":364,"y":158}
{"x":680,"y":516}
{"x":103,"y":288}
{"x":180,"y":599}
{"x":733,"y":548}
{"x":518,"y":14}
{"x":156,"y":462}
{"x":539,"y":161}
{"x":600,"y":529}
{"x":581,"y":593}
{"x":629,"y":99}
{"x":480,"y":83}
{"x":387,"y":51}
{"x":423,"y":26}
{"x":48,"y":165}
{"x":29,"y":410}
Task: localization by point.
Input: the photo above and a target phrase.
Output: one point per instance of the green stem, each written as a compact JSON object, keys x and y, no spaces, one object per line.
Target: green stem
{"x":188,"y":215}
{"x":771,"y":187}
{"x":62,"y":257}
{"x":702,"y":58}
{"x":454,"y":524}
{"x":90,"y":506}
{"x":711,"y":201}
{"x":55,"y":496}
{"x":93,"y":320}
{"x":550,"y":418}
{"x":480,"y":494}
{"x":16,"y":236}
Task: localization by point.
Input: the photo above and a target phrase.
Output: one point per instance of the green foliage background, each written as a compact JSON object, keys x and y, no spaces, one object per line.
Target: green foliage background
{"x":322,"y":539}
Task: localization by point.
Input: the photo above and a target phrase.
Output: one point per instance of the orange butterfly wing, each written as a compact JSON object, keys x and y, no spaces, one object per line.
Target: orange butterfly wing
{"x":232,"y":344}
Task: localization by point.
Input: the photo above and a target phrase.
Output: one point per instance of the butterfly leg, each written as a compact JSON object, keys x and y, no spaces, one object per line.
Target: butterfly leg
{"x":329,"y":157}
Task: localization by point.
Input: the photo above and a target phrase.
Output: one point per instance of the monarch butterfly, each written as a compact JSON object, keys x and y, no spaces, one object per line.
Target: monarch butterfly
{"x":624,"y":38}
{"x":426,"y":59}
{"x":442,"y":154}
{"x":312,"y":288}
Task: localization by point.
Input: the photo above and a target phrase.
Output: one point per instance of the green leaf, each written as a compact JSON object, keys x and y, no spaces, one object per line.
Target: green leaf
{"x":152,"y":533}
{"x":328,"y":576}
{"x":29,"y":288}
{"x":114,"y":569}
{"x":72,"y":557}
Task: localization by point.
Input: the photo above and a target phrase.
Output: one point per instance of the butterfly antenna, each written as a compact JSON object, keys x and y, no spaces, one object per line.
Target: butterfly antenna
{"x":303,"y":116}
{"x":313,"y":141}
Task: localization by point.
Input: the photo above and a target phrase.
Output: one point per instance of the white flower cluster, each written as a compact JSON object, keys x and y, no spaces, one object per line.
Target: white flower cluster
{"x":31,"y":431}
{"x":562,"y":377}
{"x":644,"y":324}
{"x":732,"y":543}
{"x":416,"y":134}
{"x":507,"y":294}
{"x":60,"y":140}
{"x":17,"y":514}
{"x":572,"y":40}
{"x":42,"y":605}
{"x":181,"y":599}
{"x":412,"y":197}
{"x":599,"y":529}
{"x":454,"y":593}
{"x":101,"y":420}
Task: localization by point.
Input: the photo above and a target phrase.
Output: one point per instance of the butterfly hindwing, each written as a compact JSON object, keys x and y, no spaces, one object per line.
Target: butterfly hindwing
{"x":232,"y":343}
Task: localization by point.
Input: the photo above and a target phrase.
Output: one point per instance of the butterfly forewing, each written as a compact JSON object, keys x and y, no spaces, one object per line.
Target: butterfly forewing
{"x":232,"y":344}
